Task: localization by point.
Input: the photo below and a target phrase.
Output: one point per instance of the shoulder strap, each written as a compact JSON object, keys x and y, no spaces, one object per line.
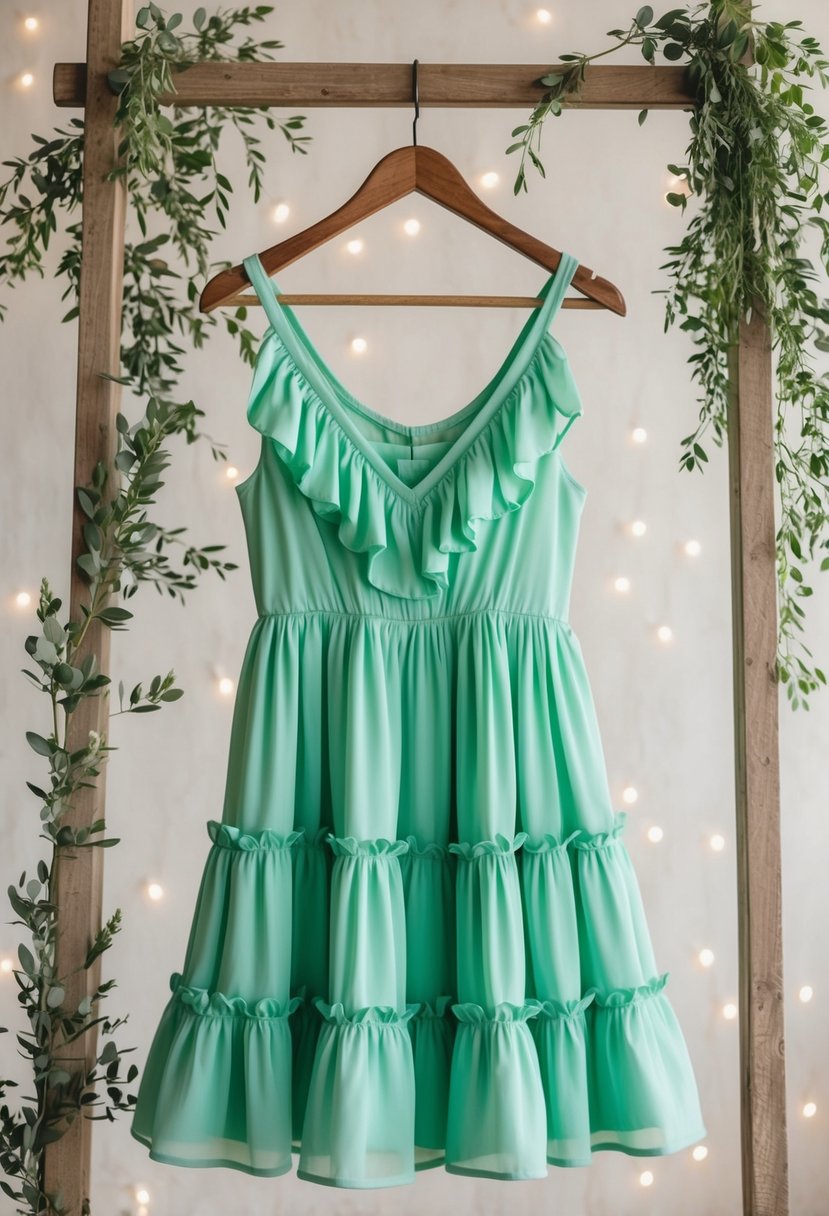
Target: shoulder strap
{"x":265,"y":288}
{"x":555,"y":289}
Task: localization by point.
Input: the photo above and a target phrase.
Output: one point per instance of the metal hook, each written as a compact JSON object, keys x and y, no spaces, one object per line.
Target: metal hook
{"x":416,"y":95}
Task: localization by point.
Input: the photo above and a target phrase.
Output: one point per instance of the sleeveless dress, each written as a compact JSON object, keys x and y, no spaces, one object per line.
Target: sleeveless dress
{"x":419,"y":938}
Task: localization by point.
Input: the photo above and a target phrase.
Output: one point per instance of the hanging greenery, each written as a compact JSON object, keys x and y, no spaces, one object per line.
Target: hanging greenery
{"x":754,"y":170}
{"x":172,"y":183}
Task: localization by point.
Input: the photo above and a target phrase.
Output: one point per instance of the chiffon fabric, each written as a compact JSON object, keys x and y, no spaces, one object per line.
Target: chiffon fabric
{"x":419,"y":939}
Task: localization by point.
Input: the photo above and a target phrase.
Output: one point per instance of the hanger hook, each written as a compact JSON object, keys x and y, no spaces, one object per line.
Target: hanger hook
{"x":416,"y":98}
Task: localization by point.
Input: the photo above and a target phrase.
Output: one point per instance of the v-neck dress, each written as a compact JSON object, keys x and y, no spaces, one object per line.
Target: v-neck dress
{"x":419,"y":938}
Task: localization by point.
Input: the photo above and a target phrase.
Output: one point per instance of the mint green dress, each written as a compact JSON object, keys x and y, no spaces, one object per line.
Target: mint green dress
{"x":419,"y":939}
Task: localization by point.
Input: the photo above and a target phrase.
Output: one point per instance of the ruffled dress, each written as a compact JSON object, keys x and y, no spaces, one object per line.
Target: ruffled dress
{"x":419,"y":939}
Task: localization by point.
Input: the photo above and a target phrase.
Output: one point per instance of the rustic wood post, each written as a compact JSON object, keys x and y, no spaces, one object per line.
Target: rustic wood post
{"x":79,"y":885}
{"x":757,"y":771}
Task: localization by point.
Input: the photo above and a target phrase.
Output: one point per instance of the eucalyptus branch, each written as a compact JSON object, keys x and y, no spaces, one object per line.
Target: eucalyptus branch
{"x":755,"y":165}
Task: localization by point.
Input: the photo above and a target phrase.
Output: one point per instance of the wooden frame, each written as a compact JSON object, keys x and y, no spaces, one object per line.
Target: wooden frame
{"x":754,"y":580}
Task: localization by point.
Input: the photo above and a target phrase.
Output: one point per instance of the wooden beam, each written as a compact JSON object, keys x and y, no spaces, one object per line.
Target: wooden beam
{"x":757,"y":770}
{"x":80,"y":877}
{"x":450,"y":85}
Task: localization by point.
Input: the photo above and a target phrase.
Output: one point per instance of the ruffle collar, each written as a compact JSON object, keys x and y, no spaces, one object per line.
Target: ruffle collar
{"x":408,"y":540}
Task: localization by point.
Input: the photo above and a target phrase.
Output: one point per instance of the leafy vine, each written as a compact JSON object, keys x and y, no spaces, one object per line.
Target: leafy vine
{"x":754,"y":165}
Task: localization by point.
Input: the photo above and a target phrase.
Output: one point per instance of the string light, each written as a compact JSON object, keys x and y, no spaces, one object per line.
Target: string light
{"x":621,"y":584}
{"x":639,"y":434}
{"x":31,"y":24}
{"x":729,"y":1011}
{"x":665,"y":633}
{"x":706,"y":957}
{"x":655,"y":834}
{"x":543,"y":16}
{"x":809,"y":1110}
{"x":717,"y":842}
{"x":700,"y":1152}
{"x":490,"y":179}
{"x":6,"y":966}
{"x":692,"y":548}
{"x":22,"y":599}
{"x":231,"y":472}
{"x":646,"y":1178}
{"x":155,"y":891}
{"x":359,"y":346}
{"x":355,"y":245}
{"x":280,"y":213}
{"x":638,"y":527}
{"x":411,"y":227}
{"x":27,"y":80}
{"x":630,"y":794}
{"x":806,"y":993}
{"x":225,"y":686}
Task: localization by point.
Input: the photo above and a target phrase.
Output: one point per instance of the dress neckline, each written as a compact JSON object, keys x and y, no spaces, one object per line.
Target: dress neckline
{"x":338,"y":401}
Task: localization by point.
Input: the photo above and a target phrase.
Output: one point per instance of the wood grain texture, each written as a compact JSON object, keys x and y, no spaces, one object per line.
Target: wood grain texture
{"x":757,"y":771}
{"x":80,"y":876}
{"x":482,"y":85}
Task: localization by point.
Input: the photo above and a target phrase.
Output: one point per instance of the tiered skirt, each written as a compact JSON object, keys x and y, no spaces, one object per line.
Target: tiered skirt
{"x":471,"y":984}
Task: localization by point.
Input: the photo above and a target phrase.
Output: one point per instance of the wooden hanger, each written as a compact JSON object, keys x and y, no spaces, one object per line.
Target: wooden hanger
{"x":404,"y":171}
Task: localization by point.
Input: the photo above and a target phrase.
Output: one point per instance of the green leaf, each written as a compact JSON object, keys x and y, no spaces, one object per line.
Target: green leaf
{"x":27,"y":961}
{"x":55,"y":996}
{"x":643,"y":114}
{"x":673,"y":50}
{"x":42,"y":746}
{"x":644,"y":16}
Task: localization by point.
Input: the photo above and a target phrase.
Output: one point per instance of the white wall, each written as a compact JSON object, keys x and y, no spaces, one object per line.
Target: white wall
{"x":665,"y":712}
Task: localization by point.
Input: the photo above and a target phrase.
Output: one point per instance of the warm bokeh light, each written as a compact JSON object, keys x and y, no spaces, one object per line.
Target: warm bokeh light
{"x":411,"y":227}
{"x":706,"y":957}
{"x":27,"y":80}
{"x":490,"y":179}
{"x":729,"y":1011}
{"x":225,"y":686}
{"x":630,"y":794}
{"x":665,"y":633}
{"x":231,"y":472}
{"x":621,"y":584}
{"x":700,"y":1152}
{"x":646,"y":1178}
{"x":280,"y":213}
{"x":692,"y":548}
{"x":155,"y":891}
{"x":31,"y":24}
{"x":6,"y":966}
{"x":543,"y":16}
{"x":809,"y":1109}
{"x":638,"y":527}
{"x":717,"y":842}
{"x":806,"y":993}
{"x":355,"y":245}
{"x":23,"y":599}
{"x":359,"y":346}
{"x":639,"y":434}
{"x":142,"y":1195}
{"x":655,"y":834}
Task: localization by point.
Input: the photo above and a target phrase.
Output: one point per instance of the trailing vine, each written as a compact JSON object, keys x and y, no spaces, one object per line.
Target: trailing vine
{"x":754,"y":168}
{"x":172,"y":181}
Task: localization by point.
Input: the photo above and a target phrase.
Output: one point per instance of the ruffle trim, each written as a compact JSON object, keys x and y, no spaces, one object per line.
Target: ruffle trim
{"x":408,"y":543}
{"x":217,"y":1004}
{"x":482,"y":848}
{"x":350,"y":846}
{"x":505,"y":1011}
{"x":615,"y":998}
{"x":226,"y":836}
{"x":385,"y":1014}
{"x":553,"y":1009}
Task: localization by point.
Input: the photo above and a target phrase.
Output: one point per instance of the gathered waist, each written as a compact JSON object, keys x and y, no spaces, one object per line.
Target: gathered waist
{"x":441,"y":618}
